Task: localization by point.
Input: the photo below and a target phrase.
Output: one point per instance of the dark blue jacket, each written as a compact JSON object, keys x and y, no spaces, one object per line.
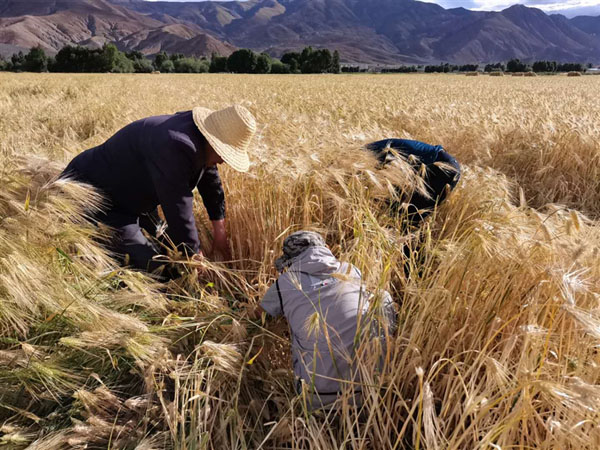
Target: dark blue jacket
{"x":425,"y":153}
{"x":157,"y":160}
{"x":436,"y":178}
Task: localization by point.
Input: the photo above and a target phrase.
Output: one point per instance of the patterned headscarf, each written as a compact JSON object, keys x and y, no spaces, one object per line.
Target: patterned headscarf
{"x":295,"y":244}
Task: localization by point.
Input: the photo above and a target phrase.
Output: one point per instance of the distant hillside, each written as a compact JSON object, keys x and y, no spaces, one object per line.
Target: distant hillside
{"x":54,"y":24}
{"x":588,"y":24}
{"x":364,"y":31}
{"x":385,"y":30}
{"x":175,"y":38}
{"x":517,"y":32}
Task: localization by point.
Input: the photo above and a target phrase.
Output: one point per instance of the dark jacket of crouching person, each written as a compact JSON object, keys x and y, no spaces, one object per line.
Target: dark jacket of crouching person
{"x":441,"y":174}
{"x":160,"y":160}
{"x":331,"y":315}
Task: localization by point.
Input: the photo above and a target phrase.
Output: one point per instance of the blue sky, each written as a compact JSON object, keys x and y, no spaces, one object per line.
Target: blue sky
{"x":569,"y":8}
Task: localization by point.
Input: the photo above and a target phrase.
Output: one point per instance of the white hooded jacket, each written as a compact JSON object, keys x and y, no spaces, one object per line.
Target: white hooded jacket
{"x":325,"y":305}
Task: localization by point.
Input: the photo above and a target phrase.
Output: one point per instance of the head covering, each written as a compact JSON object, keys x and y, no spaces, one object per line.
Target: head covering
{"x":295,"y":244}
{"x":229,"y":132}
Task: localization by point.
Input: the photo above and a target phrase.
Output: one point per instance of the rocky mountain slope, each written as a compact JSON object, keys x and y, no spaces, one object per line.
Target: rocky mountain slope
{"x":56,"y":23}
{"x":367,"y":31}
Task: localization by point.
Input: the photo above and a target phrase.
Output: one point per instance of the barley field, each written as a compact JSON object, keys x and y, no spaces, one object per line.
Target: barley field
{"x":499,"y":322}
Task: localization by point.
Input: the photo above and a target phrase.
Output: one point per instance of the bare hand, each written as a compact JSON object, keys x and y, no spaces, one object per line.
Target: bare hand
{"x":221,"y":252}
{"x":220,"y":248}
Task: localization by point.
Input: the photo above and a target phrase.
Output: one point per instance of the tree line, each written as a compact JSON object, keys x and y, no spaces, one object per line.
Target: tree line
{"x":442,"y":68}
{"x":78,"y":59}
{"x":446,"y":68}
{"x":110,"y":59}
{"x":309,"y":60}
{"x":516,"y":65}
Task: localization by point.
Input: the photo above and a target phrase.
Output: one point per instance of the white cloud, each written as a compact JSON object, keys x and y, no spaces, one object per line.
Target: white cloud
{"x":497,"y":5}
{"x":491,"y":5}
{"x":569,"y":4}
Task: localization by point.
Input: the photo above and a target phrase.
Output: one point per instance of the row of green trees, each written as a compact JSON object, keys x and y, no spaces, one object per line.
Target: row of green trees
{"x":179,"y":63}
{"x":401,"y":69}
{"x":446,"y":68}
{"x":516,"y":65}
{"x":497,"y":67}
{"x":243,"y":61}
{"x":354,"y":69}
{"x":110,"y":59}
{"x":309,"y":60}
{"x":78,"y":59}
{"x":247,"y":61}
{"x":553,"y":66}
{"x":312,"y":61}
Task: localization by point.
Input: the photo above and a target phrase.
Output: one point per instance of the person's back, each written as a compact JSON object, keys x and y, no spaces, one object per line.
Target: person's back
{"x":160,"y":160}
{"x":127,"y":166}
{"x":326,"y":307}
{"x":423,"y":152}
{"x":442,"y":172}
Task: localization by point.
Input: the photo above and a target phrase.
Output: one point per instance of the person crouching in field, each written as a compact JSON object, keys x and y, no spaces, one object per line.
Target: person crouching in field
{"x":330,"y":315}
{"x":159,"y":161}
{"x":440,"y":172}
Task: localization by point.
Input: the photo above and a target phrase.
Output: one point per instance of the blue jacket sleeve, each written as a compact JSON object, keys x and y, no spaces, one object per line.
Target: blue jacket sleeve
{"x":425,"y":153}
{"x":170,"y":176}
{"x":211,"y":191}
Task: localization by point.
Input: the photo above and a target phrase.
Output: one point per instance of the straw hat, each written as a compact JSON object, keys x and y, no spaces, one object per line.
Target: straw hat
{"x":229,"y":132}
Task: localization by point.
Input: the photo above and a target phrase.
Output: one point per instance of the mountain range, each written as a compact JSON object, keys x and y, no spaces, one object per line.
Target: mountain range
{"x":364,"y":31}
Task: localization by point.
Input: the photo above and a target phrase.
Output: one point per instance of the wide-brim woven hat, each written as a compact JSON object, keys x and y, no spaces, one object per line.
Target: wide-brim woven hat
{"x":229,"y":132}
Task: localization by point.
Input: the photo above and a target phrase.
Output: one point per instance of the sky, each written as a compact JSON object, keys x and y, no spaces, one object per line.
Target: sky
{"x":569,"y":8}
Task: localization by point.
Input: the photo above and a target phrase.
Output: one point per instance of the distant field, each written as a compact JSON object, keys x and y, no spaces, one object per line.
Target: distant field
{"x":498,"y":334}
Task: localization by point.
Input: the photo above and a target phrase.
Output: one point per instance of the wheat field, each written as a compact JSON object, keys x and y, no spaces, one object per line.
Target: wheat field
{"x":499,"y":322}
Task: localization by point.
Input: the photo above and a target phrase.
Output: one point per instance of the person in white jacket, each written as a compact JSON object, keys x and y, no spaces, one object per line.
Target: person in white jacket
{"x":329,"y":313}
